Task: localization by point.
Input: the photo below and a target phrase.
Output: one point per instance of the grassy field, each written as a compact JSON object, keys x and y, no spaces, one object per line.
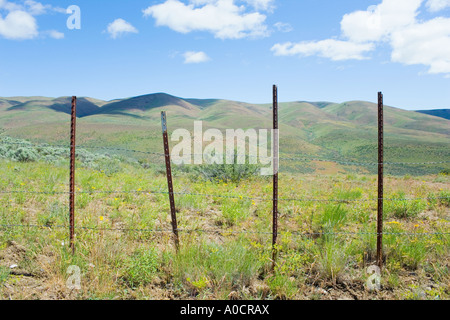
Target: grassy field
{"x":324,"y":247}
{"x":124,"y":244}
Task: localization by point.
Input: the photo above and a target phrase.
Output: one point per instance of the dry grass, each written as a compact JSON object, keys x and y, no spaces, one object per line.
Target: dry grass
{"x":216,"y":265}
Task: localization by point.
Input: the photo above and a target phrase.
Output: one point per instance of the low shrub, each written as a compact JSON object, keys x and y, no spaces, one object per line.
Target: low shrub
{"x":23,"y":151}
{"x":224,"y":172}
{"x":401,"y":208}
{"x":141,"y":267}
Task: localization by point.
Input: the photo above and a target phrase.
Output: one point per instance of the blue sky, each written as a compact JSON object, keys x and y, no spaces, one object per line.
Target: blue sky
{"x":314,"y":50}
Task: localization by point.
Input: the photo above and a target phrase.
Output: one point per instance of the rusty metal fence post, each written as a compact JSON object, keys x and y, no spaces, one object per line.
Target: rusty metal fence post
{"x":380,"y":182}
{"x":169,"y":180}
{"x":72,"y":174}
{"x":275,"y":174}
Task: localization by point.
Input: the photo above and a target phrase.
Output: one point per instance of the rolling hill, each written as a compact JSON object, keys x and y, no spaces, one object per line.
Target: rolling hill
{"x":307,"y":129}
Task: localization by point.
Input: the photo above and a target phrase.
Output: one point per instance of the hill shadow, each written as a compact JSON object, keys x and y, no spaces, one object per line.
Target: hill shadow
{"x":84,"y":107}
{"x":143,"y":103}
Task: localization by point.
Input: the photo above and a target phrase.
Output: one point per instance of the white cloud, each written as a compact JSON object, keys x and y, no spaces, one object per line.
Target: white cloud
{"x":437,"y":5}
{"x":392,"y":22}
{"x":32,"y":7}
{"x":120,"y":27}
{"x":223,"y":18}
{"x":413,"y":42}
{"x":10,"y":6}
{"x":378,"y":22}
{"x":36,"y":8}
{"x":18,"y":25}
{"x":283,"y":27}
{"x":335,"y":50}
{"x":425,"y":43}
{"x":195,"y":57}
{"x":56,"y":34}
{"x":264,"y":5}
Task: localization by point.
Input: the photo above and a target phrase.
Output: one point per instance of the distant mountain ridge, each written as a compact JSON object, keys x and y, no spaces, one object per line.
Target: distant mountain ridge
{"x":441,"y":113}
{"x":90,"y":106}
{"x":345,"y":130}
{"x":227,"y":113}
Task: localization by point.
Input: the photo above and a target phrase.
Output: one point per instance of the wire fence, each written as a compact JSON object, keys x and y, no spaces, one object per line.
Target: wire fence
{"x":218,"y":232}
{"x":148,"y":192}
{"x":222,"y":232}
{"x":284,"y":158}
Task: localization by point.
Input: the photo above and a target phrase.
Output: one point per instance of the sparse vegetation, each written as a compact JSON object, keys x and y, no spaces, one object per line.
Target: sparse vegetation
{"x":124,"y":245}
{"x":141,"y":267}
{"x":220,"y":262}
{"x":332,"y":259}
{"x":400,"y":207}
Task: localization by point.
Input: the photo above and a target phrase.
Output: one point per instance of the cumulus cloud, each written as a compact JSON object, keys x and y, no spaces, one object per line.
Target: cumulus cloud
{"x":425,"y":43}
{"x":18,"y":25}
{"x":223,"y":18}
{"x":378,"y":22}
{"x":120,"y":27}
{"x":392,"y":22}
{"x":283,"y":27}
{"x":195,"y":57}
{"x":32,"y":7}
{"x":56,"y":34}
{"x":437,"y":5}
{"x":36,"y":8}
{"x":261,"y":5}
{"x":18,"y":22}
{"x":10,"y":6}
{"x":335,"y":50}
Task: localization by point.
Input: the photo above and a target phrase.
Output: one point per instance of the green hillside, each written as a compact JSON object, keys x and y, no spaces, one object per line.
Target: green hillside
{"x":340,"y":131}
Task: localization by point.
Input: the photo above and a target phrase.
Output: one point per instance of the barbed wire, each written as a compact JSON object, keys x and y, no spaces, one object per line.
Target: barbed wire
{"x":220,"y":196}
{"x":221,"y":232}
{"x":364,"y":163}
{"x":83,"y":192}
{"x":307,"y":199}
{"x":287,"y":158}
{"x":241,"y":197}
